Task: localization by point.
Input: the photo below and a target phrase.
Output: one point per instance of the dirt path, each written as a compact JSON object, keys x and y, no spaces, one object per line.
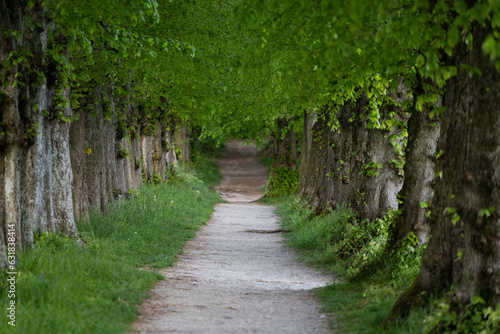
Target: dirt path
{"x":236,"y":275}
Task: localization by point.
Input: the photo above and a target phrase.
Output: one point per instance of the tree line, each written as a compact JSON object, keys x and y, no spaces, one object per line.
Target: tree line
{"x":396,"y":102}
{"x":97,"y":99}
{"x":386,"y":106}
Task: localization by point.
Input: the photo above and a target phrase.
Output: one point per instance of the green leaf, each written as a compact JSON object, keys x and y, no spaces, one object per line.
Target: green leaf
{"x":448,"y":210}
{"x":420,"y":61}
{"x":489,"y":45}
{"x":28,"y":22}
{"x":453,"y":36}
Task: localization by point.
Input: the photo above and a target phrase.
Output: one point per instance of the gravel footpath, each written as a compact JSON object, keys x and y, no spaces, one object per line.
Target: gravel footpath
{"x":236,"y":275}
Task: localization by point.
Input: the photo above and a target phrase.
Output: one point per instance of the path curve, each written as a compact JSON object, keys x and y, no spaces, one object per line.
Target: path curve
{"x":236,"y":275}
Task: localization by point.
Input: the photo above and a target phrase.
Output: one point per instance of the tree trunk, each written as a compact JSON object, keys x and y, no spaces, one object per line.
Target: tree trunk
{"x":170,"y":138}
{"x":314,"y":171}
{"x":135,"y":165}
{"x":419,"y":173}
{"x":464,"y":249}
{"x":79,"y":158}
{"x":20,"y":104}
{"x":64,"y":218}
{"x":182,"y":140}
{"x":285,"y":145}
{"x":305,"y":153}
{"x":356,"y":168}
{"x":147,"y":161}
{"x":158,"y":150}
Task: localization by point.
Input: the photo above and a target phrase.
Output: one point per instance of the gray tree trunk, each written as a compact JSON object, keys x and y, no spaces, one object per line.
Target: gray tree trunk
{"x":313,"y":171}
{"x":182,"y":140}
{"x":351,"y":164}
{"x":36,"y":170}
{"x":285,"y":145}
{"x":464,"y":249}
{"x":419,"y":171}
{"x":147,"y":160}
{"x":64,"y":218}
{"x":158,"y":150}
{"x":305,"y":154}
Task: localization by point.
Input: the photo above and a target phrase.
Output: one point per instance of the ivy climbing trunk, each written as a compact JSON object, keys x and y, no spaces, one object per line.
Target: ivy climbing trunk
{"x":36,"y":170}
{"x":15,"y":122}
{"x":464,"y":249}
{"x":356,"y":166}
{"x":22,"y":98}
{"x":419,"y":172}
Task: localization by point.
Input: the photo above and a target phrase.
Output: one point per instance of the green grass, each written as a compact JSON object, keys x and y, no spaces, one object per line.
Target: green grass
{"x":336,"y":243}
{"x":63,"y":287}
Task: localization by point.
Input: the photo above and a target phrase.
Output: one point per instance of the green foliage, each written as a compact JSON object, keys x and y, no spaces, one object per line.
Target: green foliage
{"x":398,"y":165}
{"x":65,"y":287}
{"x":371,"y":168}
{"x":156,"y":179}
{"x":311,"y":53}
{"x":475,"y":318}
{"x":210,"y":174}
{"x":283,"y":181}
{"x":204,"y":145}
{"x":406,"y":257}
{"x":339,"y":243}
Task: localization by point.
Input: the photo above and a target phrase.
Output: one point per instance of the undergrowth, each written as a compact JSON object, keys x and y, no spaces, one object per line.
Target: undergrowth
{"x":340,"y":244}
{"x":66,"y":287}
{"x":282,"y":182}
{"x":369,"y":278}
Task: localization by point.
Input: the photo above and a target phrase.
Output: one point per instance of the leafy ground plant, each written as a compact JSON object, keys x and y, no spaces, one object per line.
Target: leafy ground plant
{"x":65,"y":287}
{"x":339,"y":244}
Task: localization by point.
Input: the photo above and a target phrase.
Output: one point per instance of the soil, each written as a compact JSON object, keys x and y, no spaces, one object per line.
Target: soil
{"x":237,"y":275}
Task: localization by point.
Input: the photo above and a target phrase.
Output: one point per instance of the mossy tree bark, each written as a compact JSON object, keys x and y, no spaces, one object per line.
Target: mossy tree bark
{"x":36,"y":171}
{"x":419,"y":172}
{"x":26,"y":182}
{"x":312,"y":171}
{"x":464,"y":249}
{"x":351,"y":164}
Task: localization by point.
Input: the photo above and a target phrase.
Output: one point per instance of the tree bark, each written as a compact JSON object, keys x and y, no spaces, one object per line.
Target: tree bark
{"x":147,"y":161}
{"x":285,"y":145}
{"x":465,"y":254}
{"x":21,"y":98}
{"x":305,"y":153}
{"x":158,"y":150}
{"x":348,"y":152}
{"x":419,"y":173}
{"x":314,"y":171}
{"x":64,"y":218}
{"x":170,"y":142}
{"x":79,"y":153}
{"x":182,"y":140}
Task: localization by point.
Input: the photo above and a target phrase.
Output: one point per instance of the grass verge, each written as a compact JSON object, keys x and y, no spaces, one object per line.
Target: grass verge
{"x":63,"y":287}
{"x":338,"y":244}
